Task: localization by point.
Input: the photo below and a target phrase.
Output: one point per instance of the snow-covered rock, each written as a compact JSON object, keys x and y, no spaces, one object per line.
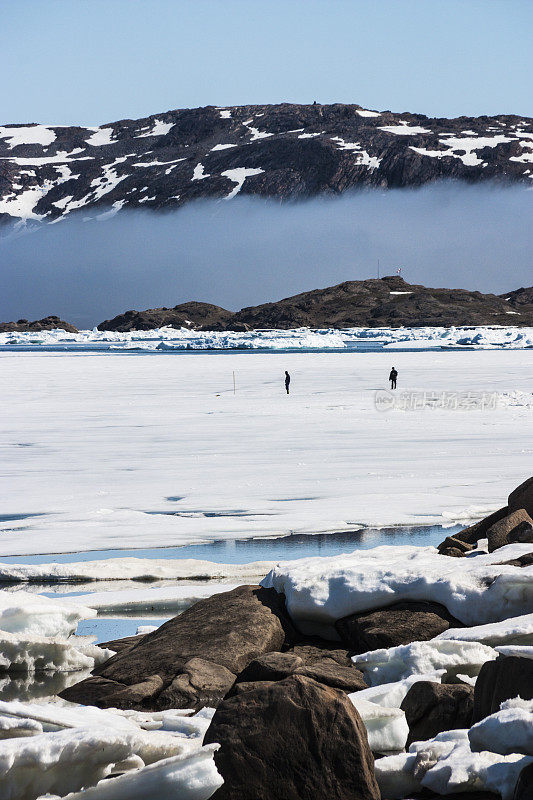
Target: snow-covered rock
{"x":475,"y":590}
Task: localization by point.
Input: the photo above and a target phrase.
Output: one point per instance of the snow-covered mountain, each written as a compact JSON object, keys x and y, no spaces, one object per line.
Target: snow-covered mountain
{"x":277,"y":151}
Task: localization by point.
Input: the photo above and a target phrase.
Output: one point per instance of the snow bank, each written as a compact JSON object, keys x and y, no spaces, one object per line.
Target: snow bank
{"x":509,"y":730}
{"x":514,"y":631}
{"x":189,"y":777}
{"x":27,"y":653}
{"x":30,"y":614}
{"x":138,"y":569}
{"x":386,"y":728}
{"x":417,"y":658}
{"x":446,"y":764}
{"x":474,"y":590}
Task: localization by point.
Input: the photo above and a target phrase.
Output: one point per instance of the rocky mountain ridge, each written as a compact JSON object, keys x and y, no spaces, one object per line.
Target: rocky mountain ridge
{"x":284,"y":151}
{"x":375,"y":303}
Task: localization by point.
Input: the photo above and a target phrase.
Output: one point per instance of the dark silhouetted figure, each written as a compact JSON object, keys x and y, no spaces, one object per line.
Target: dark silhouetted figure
{"x":392,"y":377}
{"x":287,"y":381}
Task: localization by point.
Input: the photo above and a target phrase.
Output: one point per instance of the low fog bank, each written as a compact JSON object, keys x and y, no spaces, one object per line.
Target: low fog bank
{"x":250,"y":251}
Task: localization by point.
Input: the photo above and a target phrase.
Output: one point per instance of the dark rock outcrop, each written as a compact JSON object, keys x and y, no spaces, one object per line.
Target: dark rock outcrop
{"x":196,"y":655}
{"x":46,"y":324}
{"x":400,"y":623}
{"x":503,"y":679}
{"x":522,"y":497}
{"x":515,"y":527}
{"x":284,"y":151}
{"x":293,"y":739}
{"x":432,"y":708}
{"x":384,"y":302}
{"x":187,"y":315}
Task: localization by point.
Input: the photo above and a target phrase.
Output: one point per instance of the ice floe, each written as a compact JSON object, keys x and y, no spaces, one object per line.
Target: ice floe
{"x":25,"y":613}
{"x":139,"y":569}
{"x":513,"y":631}
{"x":386,"y":728}
{"x":509,"y":730}
{"x":23,"y":653}
{"x":446,"y":764}
{"x":169,"y":599}
{"x":399,"y":663}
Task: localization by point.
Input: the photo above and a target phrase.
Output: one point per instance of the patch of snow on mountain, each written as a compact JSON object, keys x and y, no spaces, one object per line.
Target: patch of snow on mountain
{"x":159,"y":128}
{"x":239,"y":175}
{"x":363,"y":112}
{"x":469,"y":145}
{"x":221,"y":147}
{"x":199,"y":174}
{"x":365,"y":160}
{"x":404,"y":129}
{"x":28,"y":134}
{"x":307,"y":135}
{"x":100,"y":137}
{"x":225,"y":113}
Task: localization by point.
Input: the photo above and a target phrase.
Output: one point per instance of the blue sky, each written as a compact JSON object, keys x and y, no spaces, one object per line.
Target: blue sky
{"x":93,"y":61}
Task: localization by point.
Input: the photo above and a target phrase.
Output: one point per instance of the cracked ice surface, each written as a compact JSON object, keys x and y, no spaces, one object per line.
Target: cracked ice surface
{"x":141,"y":430}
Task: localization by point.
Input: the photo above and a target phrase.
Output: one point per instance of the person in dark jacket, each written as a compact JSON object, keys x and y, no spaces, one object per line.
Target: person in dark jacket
{"x":287,"y":381}
{"x":392,"y":377}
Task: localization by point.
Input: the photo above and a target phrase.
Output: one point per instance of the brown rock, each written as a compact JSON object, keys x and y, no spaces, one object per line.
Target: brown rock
{"x":432,"y":708}
{"x":227,"y":630}
{"x":522,"y":497}
{"x":313,"y":653}
{"x":522,"y":561}
{"x":503,"y":679}
{"x":473,"y":533}
{"x":119,"y":645}
{"x":454,"y":542}
{"x":292,"y":740}
{"x":347,"y":679}
{"x":401,"y":623}
{"x":200,"y":683}
{"x":453,"y":552}
{"x":515,"y":527}
{"x":247,"y":686}
{"x":270,"y":667}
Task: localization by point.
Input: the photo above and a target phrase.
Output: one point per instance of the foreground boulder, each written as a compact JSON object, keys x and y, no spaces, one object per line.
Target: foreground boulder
{"x":400,"y":623}
{"x":192,"y":660}
{"x":432,"y":708}
{"x":515,"y":527}
{"x":293,"y":739}
{"x":503,"y":679}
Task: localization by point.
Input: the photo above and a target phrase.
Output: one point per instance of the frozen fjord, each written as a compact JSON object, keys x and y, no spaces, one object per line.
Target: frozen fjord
{"x":113,"y":451}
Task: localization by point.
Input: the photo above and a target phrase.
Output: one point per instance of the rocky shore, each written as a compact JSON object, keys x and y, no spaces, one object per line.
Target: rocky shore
{"x":379,"y":674}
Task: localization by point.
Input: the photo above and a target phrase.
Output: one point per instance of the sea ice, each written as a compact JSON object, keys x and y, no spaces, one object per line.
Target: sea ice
{"x":23,"y":613}
{"x":513,"y":631}
{"x":386,"y":728}
{"x":398,"y":663}
{"x":509,"y":730}
{"x":21,"y":653}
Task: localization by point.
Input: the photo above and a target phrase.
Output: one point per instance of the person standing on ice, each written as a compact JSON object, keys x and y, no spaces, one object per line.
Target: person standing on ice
{"x":392,"y":377}
{"x":287,"y":381}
